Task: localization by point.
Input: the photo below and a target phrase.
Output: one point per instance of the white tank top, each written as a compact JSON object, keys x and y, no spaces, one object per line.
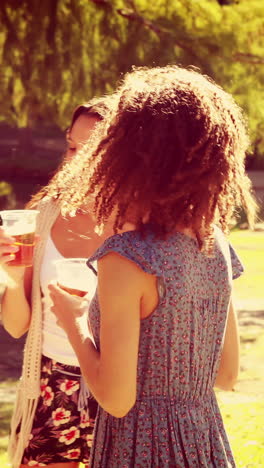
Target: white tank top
{"x":55,"y":343}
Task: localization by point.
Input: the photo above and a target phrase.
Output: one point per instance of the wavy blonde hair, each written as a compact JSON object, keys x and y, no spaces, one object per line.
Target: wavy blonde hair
{"x":97,"y":108}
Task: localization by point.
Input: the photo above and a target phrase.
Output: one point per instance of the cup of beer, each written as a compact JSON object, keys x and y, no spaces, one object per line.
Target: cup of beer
{"x":21,"y":224}
{"x":74,"y":276}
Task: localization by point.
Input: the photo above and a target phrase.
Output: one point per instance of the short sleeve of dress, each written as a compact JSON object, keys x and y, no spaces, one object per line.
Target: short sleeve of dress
{"x":132,"y":246}
{"x":237,"y":267}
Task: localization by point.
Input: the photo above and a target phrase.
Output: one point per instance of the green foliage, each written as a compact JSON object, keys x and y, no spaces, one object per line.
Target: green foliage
{"x":249,"y":287}
{"x":7,"y":196}
{"x":58,"y":53}
{"x":244,"y":425}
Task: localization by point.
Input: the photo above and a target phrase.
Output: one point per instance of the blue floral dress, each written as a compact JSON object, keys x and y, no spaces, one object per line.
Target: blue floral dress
{"x":175,"y":421}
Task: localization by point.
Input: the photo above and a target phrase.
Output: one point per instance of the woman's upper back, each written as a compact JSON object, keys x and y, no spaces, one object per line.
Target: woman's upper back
{"x":180,"y":341}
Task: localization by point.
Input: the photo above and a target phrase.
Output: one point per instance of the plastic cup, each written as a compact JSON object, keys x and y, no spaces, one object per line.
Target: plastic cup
{"x":74,"y":276}
{"x":21,"y":224}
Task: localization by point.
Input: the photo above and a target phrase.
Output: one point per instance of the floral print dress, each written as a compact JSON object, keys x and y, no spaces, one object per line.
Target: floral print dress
{"x":175,"y":421}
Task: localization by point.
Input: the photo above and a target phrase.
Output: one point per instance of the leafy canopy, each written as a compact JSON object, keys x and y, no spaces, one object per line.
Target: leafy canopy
{"x":58,"y":53}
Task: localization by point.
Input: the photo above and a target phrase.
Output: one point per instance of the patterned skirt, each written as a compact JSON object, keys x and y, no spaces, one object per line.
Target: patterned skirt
{"x":63,"y":425}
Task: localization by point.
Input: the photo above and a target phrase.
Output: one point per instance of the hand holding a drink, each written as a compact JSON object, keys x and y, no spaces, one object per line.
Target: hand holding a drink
{"x":70,"y":292}
{"x":17,"y":240}
{"x":19,"y":226}
{"x":7,"y":247}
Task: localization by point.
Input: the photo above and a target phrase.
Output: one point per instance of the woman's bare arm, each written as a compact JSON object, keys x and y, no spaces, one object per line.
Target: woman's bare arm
{"x":111,"y":374}
{"x":229,"y":364}
{"x":15,"y":307}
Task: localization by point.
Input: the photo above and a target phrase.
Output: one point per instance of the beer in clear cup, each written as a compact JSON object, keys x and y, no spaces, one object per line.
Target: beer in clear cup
{"x":21,"y":225}
{"x":74,"y":276}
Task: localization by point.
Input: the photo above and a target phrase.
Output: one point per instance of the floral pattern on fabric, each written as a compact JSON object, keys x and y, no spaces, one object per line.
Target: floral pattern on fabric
{"x":175,"y":422}
{"x":60,"y":431}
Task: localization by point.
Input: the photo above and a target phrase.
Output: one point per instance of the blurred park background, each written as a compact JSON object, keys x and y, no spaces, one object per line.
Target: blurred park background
{"x":54,"y":55}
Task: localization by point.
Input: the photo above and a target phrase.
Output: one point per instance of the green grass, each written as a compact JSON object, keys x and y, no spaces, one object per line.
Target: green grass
{"x":249,"y":287}
{"x":244,"y":425}
{"x":242,"y":410}
{"x":6,"y":409}
{"x":7,"y":389}
{"x":3,"y":455}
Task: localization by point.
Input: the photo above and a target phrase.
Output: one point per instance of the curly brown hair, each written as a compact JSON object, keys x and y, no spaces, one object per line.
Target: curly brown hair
{"x":173,"y":153}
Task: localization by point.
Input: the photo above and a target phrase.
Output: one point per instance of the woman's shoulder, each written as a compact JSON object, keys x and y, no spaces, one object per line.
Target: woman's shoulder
{"x":132,"y":245}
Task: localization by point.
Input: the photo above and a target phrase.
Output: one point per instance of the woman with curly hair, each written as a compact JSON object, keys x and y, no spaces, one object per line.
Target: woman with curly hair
{"x":52,"y":424}
{"x":171,"y":164}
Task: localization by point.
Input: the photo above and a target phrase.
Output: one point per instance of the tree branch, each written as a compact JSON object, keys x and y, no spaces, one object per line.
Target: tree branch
{"x":51,"y":28}
{"x":102,"y":3}
{"x":131,"y":14}
{"x":7,"y":22}
{"x":248,"y":58}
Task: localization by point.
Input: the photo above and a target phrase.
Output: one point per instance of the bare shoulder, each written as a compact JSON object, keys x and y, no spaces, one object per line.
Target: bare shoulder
{"x":121,"y":268}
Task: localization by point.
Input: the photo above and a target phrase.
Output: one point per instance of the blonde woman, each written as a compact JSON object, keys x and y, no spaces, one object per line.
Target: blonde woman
{"x":53,"y":421}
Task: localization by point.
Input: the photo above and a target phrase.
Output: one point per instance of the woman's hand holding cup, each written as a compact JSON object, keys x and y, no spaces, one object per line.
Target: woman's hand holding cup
{"x":7,"y":254}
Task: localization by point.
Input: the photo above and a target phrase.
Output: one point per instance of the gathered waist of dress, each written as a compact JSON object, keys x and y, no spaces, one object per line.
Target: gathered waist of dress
{"x":197,"y":401}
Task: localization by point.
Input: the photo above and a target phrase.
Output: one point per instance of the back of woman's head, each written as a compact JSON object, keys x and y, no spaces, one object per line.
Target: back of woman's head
{"x":176,"y":148}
